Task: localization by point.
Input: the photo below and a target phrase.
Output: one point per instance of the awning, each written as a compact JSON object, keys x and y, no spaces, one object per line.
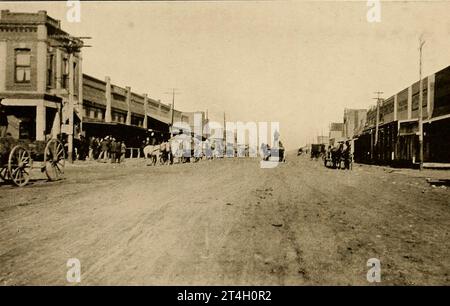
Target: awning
{"x":160,"y":118}
{"x":114,"y":126}
{"x":156,"y":125}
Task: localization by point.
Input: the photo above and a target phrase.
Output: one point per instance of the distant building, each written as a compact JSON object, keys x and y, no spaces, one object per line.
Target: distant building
{"x":354,"y":122}
{"x":189,"y":118}
{"x":336,"y":133}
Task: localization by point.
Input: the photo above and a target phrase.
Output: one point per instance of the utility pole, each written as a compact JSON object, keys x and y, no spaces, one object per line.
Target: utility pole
{"x":224,"y":126}
{"x":421,"y":43}
{"x":224,"y":134}
{"x":71,"y":108}
{"x":378,"y":93}
{"x":206,"y":127}
{"x":173,"y":93}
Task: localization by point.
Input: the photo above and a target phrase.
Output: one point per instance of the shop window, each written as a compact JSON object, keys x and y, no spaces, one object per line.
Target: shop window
{"x":22,"y":65}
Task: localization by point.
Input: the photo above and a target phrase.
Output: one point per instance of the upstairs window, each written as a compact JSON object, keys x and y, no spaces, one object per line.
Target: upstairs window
{"x":65,"y":73}
{"x":23,"y":65}
{"x":50,"y":74}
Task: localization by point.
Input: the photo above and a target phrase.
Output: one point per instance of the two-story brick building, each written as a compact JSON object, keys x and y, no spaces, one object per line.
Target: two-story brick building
{"x":36,"y":72}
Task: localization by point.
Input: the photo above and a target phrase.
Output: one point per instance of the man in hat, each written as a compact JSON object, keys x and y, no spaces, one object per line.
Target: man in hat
{"x":3,"y":120}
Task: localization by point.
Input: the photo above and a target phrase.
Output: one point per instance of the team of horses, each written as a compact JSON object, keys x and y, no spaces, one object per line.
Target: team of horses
{"x":170,"y":151}
{"x":157,"y":152}
{"x":338,"y":157}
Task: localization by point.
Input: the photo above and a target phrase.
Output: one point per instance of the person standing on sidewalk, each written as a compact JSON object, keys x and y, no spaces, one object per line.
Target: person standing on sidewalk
{"x":113,"y":148}
{"x":123,"y":150}
{"x":91,"y":148}
{"x":104,"y":153}
{"x":118,"y":151}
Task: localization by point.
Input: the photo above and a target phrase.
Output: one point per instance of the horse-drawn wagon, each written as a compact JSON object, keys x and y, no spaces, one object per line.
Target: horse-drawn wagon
{"x":338,"y":157}
{"x":317,"y":150}
{"x":17,"y":158}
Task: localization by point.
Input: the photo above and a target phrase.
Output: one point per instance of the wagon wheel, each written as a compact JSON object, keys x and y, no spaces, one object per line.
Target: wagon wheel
{"x":19,"y":166}
{"x":54,"y":159}
{"x":4,"y":173}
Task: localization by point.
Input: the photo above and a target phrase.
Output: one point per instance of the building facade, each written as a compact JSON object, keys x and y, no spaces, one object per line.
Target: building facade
{"x":395,"y":139}
{"x":354,"y":122}
{"x":336,"y":133}
{"x":37,"y":73}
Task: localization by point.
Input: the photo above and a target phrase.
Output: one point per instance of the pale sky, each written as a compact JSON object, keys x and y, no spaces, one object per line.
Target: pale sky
{"x":297,"y":62}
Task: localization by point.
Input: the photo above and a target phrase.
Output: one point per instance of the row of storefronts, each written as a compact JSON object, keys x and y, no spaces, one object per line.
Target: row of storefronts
{"x":393,"y":138}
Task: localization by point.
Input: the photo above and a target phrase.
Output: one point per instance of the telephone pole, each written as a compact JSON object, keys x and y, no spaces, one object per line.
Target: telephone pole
{"x":224,"y":126}
{"x":173,"y":93}
{"x":378,"y":98}
{"x":224,"y":134}
{"x":421,"y":43}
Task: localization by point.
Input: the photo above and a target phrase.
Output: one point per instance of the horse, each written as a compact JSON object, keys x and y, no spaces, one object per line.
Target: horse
{"x":153,"y":151}
{"x":165,"y":153}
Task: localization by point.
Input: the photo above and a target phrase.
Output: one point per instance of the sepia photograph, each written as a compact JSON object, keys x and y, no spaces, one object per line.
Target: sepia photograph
{"x":225,"y":144}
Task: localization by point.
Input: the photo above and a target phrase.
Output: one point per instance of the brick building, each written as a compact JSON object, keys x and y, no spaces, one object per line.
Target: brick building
{"x":36,"y":73}
{"x":110,"y":109}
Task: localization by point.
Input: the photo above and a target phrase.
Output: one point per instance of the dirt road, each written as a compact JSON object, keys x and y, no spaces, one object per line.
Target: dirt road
{"x":225,"y":222}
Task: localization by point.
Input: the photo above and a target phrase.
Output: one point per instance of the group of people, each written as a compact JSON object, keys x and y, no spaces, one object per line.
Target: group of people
{"x":101,"y":149}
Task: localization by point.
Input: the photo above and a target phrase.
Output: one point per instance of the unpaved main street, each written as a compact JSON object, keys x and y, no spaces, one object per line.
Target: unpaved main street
{"x":225,"y":222}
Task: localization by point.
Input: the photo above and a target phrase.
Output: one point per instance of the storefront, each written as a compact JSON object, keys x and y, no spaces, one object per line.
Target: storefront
{"x":133,"y":136}
{"x":437,"y":140}
{"x":33,"y":116}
